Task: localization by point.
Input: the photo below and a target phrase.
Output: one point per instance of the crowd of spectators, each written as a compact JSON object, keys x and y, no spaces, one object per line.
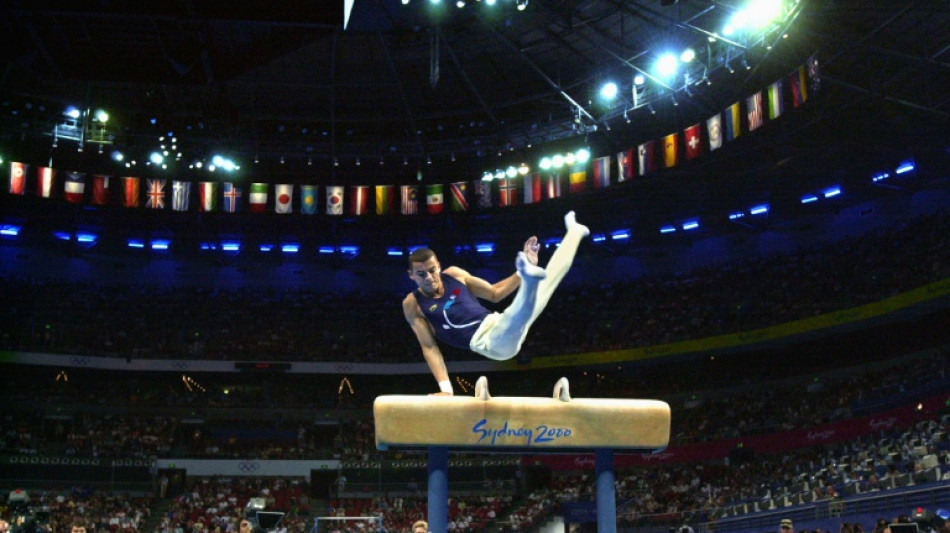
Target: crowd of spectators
{"x":62,"y":316}
{"x":56,"y":510}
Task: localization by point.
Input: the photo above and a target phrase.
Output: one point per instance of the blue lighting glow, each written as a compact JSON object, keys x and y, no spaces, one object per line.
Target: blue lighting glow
{"x":349,"y":250}
{"x":485,"y":248}
{"x":208,"y":246}
{"x":555,"y":241}
{"x":135,"y":243}
{"x":759,"y":209}
{"x":62,"y":235}
{"x":880,"y":177}
{"x":290,"y":248}
{"x":692,"y":224}
{"x":160,"y":244}
{"x":736,"y":215}
{"x":394,"y":252}
{"x":231,"y":246}
{"x":266,"y":247}
{"x":325,"y":249}
{"x":620,"y":235}
{"x":905,"y":166}
{"x":9,"y":230}
{"x":809,"y":198}
{"x":832,"y":192}
{"x":86,"y":237}
{"x":667,"y":229}
{"x":600,"y":237}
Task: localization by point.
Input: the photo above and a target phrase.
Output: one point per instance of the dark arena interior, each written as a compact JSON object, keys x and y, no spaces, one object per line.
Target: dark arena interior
{"x":207,"y":211}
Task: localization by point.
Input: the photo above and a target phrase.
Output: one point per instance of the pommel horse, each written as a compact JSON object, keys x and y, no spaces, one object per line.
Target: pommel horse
{"x":526,"y":425}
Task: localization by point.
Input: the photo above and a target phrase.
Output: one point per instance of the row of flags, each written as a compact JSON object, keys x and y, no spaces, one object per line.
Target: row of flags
{"x":283,"y":198}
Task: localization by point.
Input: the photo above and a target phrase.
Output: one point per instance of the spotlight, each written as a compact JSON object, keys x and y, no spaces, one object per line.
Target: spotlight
{"x":688,"y":55}
{"x":639,"y":79}
{"x":405,"y":2}
{"x":609,"y":91}
{"x":460,"y":4}
{"x":625,"y":117}
{"x":522,"y":4}
{"x":666,"y":65}
{"x":745,"y":64}
{"x":675,"y":101}
{"x":490,"y":2}
{"x":357,"y":161}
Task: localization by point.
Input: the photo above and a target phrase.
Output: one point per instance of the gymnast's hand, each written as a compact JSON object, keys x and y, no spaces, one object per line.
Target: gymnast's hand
{"x":531,"y":248}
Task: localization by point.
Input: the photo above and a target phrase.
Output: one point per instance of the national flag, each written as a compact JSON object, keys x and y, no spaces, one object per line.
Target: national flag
{"x":409,"y":195}
{"x":532,"y":188}
{"x":754,"y":111}
{"x":384,"y":199}
{"x":776,"y":104}
{"x":459,"y":196}
{"x":671,"y":150}
{"x":44,"y":182}
{"x":155,"y":193}
{"x":714,"y":128}
{"x":578,"y":180}
{"x":625,"y":168}
{"x":100,"y":189}
{"x":730,"y":119}
{"x":799,"y":88}
{"x":308,"y":199}
{"x":284,"y":198}
{"x":232,"y":198}
{"x":483,"y":194}
{"x":181,"y":195}
{"x":507,"y":192}
{"x":694,"y":146}
{"x":207,"y":196}
{"x":334,"y":200}
{"x":646,"y":157}
{"x":553,"y":184}
{"x":434,"y":199}
{"x":17,"y":178}
{"x":601,"y":170}
{"x":74,"y":187}
{"x":359,"y":200}
{"x":814,"y":75}
{"x":257,"y":198}
{"x":131,"y":191}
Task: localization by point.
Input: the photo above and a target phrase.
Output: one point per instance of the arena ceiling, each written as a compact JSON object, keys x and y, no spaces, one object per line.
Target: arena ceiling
{"x":406,"y":84}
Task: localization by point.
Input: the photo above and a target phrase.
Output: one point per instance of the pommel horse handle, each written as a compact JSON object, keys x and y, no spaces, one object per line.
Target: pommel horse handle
{"x":562,"y":390}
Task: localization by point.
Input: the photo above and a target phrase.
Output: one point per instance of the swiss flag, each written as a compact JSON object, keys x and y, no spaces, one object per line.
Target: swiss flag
{"x":694,"y":147}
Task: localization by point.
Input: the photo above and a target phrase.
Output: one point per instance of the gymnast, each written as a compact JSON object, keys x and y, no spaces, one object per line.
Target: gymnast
{"x":447,"y":307}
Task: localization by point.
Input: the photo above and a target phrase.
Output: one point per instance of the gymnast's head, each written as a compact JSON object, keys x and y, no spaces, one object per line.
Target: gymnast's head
{"x":425,"y":271}
{"x":420,"y":526}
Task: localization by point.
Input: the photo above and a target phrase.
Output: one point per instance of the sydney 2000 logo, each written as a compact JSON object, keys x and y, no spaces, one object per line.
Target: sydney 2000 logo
{"x":521,"y":435}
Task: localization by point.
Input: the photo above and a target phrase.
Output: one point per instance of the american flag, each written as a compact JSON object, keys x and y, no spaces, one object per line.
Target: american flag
{"x":754,"y":109}
{"x":410,"y":200}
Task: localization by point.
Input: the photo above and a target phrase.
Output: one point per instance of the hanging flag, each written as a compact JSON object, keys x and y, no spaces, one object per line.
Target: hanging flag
{"x":553,"y":184}
{"x":44,"y":182}
{"x":181,"y":195}
{"x":601,"y":170}
{"x":100,"y":189}
{"x":814,"y":75}
{"x":577,"y":179}
{"x":694,"y":147}
{"x":434,"y":199}
{"x":646,"y":157}
{"x":625,"y":168}
{"x":284,"y":198}
{"x":799,"y":89}
{"x":384,"y":199}
{"x":155,"y":192}
{"x":257,"y":198}
{"x":207,"y":196}
{"x":754,"y":111}
{"x":507,"y":192}
{"x":74,"y":187}
{"x":483,"y":194}
{"x":459,"y":195}
{"x":532,"y":188}
{"x":776,"y":105}
{"x":670,"y":150}
{"x":308,"y":199}
{"x":334,"y":199}
{"x":410,"y":200}
{"x":232,"y":198}
{"x":131,"y":191}
{"x":714,"y":128}
{"x":731,"y":122}
{"x":17,"y":178}
{"x":359,"y":200}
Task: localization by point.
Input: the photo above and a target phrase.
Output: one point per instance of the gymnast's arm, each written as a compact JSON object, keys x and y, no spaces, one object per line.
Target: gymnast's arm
{"x":498,"y":291}
{"x":423,"y":330}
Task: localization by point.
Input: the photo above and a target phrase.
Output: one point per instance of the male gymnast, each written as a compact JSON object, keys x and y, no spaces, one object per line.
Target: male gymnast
{"x":445,"y":305}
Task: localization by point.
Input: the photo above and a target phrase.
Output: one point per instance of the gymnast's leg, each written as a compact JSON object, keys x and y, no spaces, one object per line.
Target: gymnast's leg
{"x":502,"y":335}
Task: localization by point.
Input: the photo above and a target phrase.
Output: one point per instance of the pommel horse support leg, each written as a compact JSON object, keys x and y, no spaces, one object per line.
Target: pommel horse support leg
{"x":525,"y":425}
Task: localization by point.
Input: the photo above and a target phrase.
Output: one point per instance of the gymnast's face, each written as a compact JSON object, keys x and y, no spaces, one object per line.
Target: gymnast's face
{"x":428,"y":276}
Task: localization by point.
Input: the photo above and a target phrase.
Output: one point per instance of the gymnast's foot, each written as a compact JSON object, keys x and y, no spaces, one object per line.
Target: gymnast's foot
{"x":527,"y":270}
{"x":571,"y":223}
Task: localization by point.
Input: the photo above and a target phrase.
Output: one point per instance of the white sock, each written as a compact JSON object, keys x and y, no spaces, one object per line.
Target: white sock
{"x":446,"y":386}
